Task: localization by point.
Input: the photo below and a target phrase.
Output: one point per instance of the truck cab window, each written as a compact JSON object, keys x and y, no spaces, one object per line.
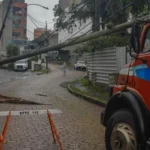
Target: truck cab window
{"x":147,"y":42}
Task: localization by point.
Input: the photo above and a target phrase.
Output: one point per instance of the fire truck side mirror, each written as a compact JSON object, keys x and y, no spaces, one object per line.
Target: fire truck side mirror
{"x":135,"y":38}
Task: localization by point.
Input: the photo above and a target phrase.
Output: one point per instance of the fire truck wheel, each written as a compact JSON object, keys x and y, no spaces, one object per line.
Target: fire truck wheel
{"x":121,"y":131}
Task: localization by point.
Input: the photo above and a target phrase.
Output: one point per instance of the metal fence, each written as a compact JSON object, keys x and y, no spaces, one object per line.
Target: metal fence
{"x":104,"y":62}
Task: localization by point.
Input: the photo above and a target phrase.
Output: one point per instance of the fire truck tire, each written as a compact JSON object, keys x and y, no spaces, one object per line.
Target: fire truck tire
{"x":121,"y":133}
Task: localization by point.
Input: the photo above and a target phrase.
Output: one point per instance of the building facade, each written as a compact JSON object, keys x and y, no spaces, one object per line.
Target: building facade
{"x":16,"y":23}
{"x":79,"y":27}
{"x":38,"y":32}
{"x":64,"y":4}
{"x":67,"y":3}
{"x":19,"y":19}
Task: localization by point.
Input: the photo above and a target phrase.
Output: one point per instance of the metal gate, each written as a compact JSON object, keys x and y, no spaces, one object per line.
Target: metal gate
{"x":101,"y":63}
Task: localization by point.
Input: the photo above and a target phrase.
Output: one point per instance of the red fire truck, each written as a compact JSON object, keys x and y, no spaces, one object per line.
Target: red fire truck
{"x":127,"y":114}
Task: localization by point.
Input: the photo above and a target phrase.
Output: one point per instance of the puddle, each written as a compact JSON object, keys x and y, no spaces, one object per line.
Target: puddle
{"x":65,"y":84}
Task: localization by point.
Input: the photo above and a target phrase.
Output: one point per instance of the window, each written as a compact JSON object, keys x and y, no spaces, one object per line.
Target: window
{"x":147,"y":42}
{"x":16,"y":26}
{"x":17,"y":17}
{"x":19,"y":1}
{"x":16,"y":34}
{"x":17,"y":11}
{"x":25,"y":31}
{"x":17,"y":22}
{"x":25,"y":11}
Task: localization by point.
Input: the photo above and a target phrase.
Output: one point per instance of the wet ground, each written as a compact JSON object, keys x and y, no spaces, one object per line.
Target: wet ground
{"x":9,"y":75}
{"x":78,"y":125}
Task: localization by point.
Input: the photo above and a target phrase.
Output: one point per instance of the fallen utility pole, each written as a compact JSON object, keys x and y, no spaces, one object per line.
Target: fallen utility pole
{"x":74,"y":41}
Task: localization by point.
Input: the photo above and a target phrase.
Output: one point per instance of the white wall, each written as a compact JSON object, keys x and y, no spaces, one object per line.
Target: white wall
{"x":65,"y":34}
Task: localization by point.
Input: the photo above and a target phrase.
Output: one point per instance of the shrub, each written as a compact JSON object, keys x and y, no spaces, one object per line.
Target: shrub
{"x":85,"y":82}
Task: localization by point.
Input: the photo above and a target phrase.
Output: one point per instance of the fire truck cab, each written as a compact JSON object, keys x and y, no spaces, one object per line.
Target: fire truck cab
{"x":127,"y":114}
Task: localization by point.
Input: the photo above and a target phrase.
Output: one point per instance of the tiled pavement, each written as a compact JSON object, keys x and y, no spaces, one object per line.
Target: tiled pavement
{"x":78,"y":125}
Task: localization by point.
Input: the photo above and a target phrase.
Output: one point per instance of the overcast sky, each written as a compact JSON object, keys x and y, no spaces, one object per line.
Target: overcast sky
{"x":40,"y":14}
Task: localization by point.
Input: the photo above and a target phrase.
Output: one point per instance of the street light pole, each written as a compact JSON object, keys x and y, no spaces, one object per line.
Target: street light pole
{"x":46,"y":24}
{"x":39,"y":5}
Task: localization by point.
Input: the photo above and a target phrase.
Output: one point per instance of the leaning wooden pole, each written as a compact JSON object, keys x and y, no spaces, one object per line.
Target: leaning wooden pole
{"x":75,"y":41}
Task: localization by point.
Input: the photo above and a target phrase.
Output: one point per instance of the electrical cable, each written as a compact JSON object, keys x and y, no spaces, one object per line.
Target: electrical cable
{"x":67,"y":20}
{"x":86,"y":25}
{"x":37,"y":26}
{"x":52,"y":34}
{"x":99,"y":23}
{"x":89,"y":24}
{"x":35,"y":20}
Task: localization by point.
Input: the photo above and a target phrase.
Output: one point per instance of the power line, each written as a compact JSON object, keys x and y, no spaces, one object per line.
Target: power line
{"x":99,"y":23}
{"x":52,"y":34}
{"x":30,"y":32}
{"x":35,"y":20}
{"x":68,"y":18}
{"x":80,"y":29}
{"x":32,"y":21}
{"x":30,"y":17}
{"x":66,"y":44}
{"x":35,"y":25}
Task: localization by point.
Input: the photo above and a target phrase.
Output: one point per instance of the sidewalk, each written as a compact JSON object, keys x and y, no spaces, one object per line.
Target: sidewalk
{"x":91,"y":93}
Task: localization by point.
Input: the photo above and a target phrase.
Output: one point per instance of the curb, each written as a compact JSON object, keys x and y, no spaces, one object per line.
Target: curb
{"x":88,"y":98}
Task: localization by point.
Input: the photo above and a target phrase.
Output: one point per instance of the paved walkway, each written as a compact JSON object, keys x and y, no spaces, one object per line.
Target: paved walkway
{"x":78,"y":125}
